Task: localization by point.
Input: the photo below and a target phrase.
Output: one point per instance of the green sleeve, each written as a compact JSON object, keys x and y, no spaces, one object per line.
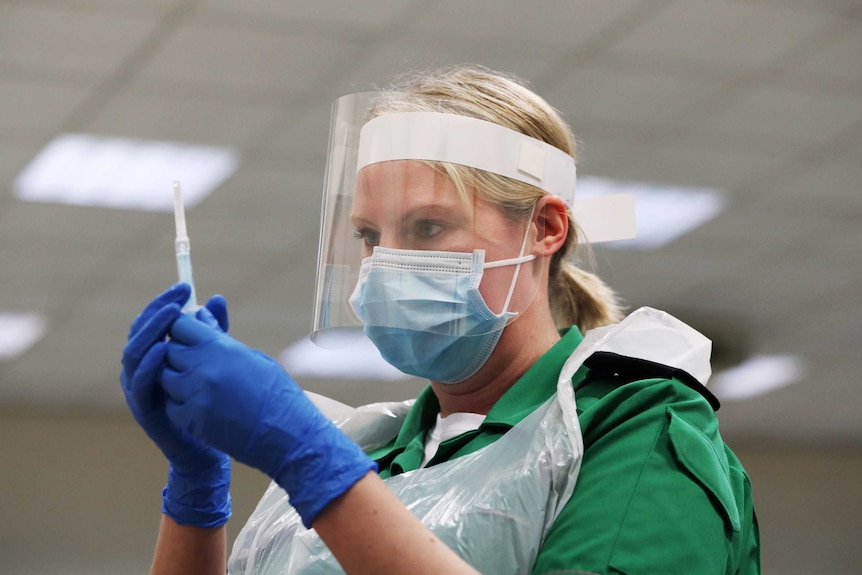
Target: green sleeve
{"x":656,"y":491}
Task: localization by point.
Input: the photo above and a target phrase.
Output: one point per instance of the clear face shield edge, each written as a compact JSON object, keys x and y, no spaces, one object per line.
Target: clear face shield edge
{"x":404,"y":249}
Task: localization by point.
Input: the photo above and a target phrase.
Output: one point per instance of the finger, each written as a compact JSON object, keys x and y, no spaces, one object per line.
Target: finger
{"x":178,"y":293}
{"x":180,"y":415}
{"x":154,"y":330}
{"x":143,"y":387}
{"x":217,"y":306}
{"x":189,"y":331}
{"x":177,"y":389}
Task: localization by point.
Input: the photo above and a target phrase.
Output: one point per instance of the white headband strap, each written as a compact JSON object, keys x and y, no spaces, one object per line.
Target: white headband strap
{"x":467,"y":141}
{"x":487,"y":146}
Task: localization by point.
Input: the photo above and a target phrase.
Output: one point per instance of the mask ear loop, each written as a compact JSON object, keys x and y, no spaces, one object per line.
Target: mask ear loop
{"x":517,"y":261}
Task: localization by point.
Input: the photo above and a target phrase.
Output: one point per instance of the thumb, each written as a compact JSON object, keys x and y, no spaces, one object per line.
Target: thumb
{"x":217,"y":306}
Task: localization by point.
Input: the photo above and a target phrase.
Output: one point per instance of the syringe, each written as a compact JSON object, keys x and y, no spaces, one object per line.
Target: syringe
{"x":183,"y":247}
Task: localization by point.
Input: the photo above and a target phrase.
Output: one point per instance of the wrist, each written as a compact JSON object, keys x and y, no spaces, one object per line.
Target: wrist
{"x":313,"y":478}
{"x":200,"y":498}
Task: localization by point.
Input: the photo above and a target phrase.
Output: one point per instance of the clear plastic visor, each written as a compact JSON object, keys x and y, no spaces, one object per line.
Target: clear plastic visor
{"x":408,"y":242}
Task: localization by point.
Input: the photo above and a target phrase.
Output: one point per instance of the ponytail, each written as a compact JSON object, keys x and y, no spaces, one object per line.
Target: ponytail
{"x":578,"y":297}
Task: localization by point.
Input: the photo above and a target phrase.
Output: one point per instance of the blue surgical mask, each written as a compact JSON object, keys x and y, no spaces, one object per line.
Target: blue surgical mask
{"x":424,"y":312}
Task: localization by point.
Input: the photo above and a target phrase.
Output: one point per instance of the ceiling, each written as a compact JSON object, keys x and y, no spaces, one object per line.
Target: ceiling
{"x":762,"y":99}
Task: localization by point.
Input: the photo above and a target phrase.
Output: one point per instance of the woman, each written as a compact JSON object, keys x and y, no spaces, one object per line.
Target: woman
{"x":533,"y":450}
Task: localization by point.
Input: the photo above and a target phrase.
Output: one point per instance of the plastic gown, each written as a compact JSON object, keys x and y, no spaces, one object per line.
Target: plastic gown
{"x":494,"y":506}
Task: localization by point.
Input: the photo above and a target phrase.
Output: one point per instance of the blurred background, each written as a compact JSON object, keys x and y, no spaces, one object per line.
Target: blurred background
{"x":741,"y":119}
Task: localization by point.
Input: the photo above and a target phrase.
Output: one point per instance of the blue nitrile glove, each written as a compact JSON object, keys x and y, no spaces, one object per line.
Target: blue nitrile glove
{"x":242,"y":402}
{"x":198,"y":488}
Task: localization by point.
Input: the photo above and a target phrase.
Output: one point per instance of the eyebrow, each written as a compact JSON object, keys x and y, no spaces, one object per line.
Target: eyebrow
{"x":418,"y":212}
{"x":357,"y":222}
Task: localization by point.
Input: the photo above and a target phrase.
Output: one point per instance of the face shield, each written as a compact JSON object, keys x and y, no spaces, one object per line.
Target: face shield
{"x":417,"y":234}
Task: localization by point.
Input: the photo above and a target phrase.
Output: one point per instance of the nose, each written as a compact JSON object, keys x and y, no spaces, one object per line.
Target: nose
{"x":392,"y":237}
{"x":386,"y":238}
{"x":391,"y":241}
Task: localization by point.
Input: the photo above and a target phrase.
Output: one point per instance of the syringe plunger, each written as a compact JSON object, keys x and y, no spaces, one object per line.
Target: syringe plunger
{"x":182,"y":247}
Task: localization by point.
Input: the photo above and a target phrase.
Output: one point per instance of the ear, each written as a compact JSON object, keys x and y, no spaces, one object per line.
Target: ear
{"x":552,"y":224}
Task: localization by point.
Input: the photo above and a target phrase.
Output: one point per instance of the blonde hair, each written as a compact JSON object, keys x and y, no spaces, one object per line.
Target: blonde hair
{"x":576,"y":296}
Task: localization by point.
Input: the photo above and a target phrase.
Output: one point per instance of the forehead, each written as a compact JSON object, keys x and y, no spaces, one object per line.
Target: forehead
{"x":403,"y":185}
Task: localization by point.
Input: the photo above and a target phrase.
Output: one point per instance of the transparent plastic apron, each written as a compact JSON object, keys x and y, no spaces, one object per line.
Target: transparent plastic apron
{"x":493,"y":507}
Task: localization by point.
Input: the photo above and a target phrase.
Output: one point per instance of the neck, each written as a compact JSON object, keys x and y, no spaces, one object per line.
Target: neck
{"x":521,"y":344}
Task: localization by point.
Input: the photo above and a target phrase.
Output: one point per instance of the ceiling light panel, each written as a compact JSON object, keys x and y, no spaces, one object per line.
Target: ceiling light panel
{"x":18,"y":333}
{"x":757,"y":375}
{"x":89,"y":170}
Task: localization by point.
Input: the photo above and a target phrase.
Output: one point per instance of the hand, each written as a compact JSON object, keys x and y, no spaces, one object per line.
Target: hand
{"x":198,"y":488}
{"x":243,"y":403}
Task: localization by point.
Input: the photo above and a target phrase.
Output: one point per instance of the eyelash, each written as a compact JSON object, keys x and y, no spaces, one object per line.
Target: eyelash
{"x":372,"y":237}
{"x":437,"y":227}
{"x":363,"y":234}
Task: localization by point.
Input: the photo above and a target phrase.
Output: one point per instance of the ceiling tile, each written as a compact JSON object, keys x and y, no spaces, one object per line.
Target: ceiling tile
{"x":601,"y":153}
{"x":62,"y":222}
{"x":64,"y":41}
{"x":77,"y":365}
{"x":140,"y":115}
{"x":657,"y":279}
{"x":134,"y":7}
{"x":232,"y":58}
{"x":840,"y":56}
{"x":800,"y":275}
{"x":727,"y":35}
{"x":827,"y":329}
{"x":41,"y":252}
{"x":38,"y":108}
{"x":299,"y":133}
{"x":370,"y":14}
{"x":260,"y":209}
{"x":699,"y":162}
{"x":559,"y":24}
{"x":797,"y":117}
{"x":418,"y":51}
{"x":767,"y":419}
{"x":621,"y":144}
{"x":836,"y":6}
{"x":146,"y":268}
{"x":756,"y":235}
{"x":267,"y":191}
{"x":834,"y":65}
{"x":829,"y":188}
{"x":743,"y":262}
{"x":275,"y":309}
{"x":591,"y":93}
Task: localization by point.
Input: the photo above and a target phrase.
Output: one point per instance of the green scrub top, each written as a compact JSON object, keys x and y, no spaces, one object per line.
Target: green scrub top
{"x":658,"y":490}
